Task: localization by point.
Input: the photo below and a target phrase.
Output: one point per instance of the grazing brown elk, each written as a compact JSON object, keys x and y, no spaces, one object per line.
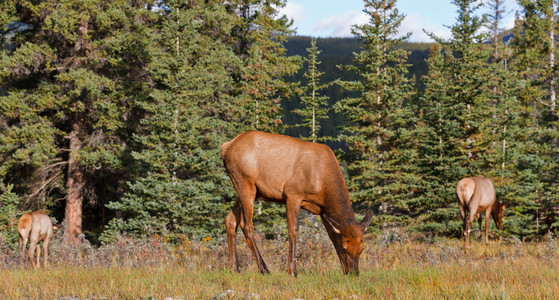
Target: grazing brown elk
{"x":477,"y":194}
{"x":299,"y":174}
{"x":36,"y":227}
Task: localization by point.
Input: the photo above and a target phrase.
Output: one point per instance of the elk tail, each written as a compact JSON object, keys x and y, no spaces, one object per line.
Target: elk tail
{"x":226,"y":145}
{"x":466,"y":193}
{"x":224,"y":148}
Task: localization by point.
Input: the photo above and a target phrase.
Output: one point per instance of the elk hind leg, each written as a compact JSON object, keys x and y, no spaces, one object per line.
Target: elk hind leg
{"x":487,"y":215}
{"x":23,"y":243}
{"x":232,"y":222}
{"x":247,"y":195}
{"x":480,"y":221}
{"x":33,"y":246}
{"x":469,"y":223}
{"x":46,"y":243}
{"x":465,"y":224}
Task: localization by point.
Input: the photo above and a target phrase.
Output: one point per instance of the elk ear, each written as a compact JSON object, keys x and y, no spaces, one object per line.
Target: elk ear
{"x":366,"y":221}
{"x":335,"y":225}
{"x":504,"y":205}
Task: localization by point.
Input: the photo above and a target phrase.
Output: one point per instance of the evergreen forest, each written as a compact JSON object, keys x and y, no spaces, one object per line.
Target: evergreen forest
{"x":112,"y":113}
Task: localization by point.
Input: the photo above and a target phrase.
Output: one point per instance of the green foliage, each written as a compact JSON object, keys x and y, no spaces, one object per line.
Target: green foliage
{"x":72,"y":69}
{"x":538,"y":165}
{"x":454,"y":116}
{"x":8,"y":216}
{"x":379,"y":123}
{"x":148,"y":93}
{"x":205,"y":91}
{"x":315,"y":106}
{"x":260,"y":35}
{"x":177,"y":186}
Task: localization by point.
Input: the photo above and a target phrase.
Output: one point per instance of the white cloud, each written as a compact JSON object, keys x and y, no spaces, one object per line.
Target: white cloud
{"x":509,"y":23}
{"x":416,"y":25}
{"x":339,"y":25}
{"x":293,"y":11}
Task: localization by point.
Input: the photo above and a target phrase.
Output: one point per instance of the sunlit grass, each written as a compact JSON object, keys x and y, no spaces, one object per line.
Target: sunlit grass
{"x":402,"y":270}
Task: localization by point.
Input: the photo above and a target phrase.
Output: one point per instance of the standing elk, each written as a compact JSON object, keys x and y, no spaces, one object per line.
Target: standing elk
{"x":477,"y":194}
{"x":36,"y":227}
{"x":299,"y":174}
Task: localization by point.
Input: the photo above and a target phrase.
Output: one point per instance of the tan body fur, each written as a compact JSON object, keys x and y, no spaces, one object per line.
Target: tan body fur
{"x":35,"y":227}
{"x":475,"y":195}
{"x":299,"y":174}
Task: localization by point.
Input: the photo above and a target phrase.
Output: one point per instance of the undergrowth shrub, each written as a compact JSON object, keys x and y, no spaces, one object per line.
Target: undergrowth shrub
{"x":315,"y":253}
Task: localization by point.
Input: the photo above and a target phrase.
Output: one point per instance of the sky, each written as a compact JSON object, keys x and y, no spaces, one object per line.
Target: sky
{"x":334,"y":18}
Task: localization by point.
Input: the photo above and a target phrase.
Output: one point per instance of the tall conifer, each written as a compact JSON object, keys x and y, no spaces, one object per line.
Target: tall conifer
{"x":535,"y":49}
{"x":69,"y":76}
{"x":454,"y":116}
{"x":315,"y":104}
{"x":378,"y":120}
{"x":179,"y":180}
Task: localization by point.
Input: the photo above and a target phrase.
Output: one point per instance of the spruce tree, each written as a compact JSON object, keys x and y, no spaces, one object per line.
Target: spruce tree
{"x":379,"y":122}
{"x":259,"y":36}
{"x":504,"y":127}
{"x":535,"y":53}
{"x":455,"y":114}
{"x":315,"y":105}
{"x":69,"y":76}
{"x":179,"y":181}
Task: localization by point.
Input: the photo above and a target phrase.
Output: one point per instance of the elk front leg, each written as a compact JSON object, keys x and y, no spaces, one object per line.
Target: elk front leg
{"x":479,"y":220}
{"x":293,"y":208}
{"x":487,"y":215}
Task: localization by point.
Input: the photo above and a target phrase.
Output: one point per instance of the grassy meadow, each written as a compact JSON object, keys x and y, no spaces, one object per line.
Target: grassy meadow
{"x":393,"y":266}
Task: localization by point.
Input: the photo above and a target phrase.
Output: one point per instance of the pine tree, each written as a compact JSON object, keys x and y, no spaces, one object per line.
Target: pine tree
{"x":503,"y":128}
{"x":379,"y":121}
{"x":8,"y":216}
{"x":455,"y":115}
{"x":69,"y":74}
{"x":179,"y":183}
{"x":315,"y":106}
{"x":535,"y":50}
{"x":261,"y":85}
{"x":260,"y":35}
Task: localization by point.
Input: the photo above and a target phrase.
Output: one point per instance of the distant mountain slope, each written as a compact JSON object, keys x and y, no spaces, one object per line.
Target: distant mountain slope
{"x":335,"y":52}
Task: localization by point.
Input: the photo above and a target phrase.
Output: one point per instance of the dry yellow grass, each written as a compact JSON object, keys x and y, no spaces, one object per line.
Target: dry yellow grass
{"x":406,"y":269}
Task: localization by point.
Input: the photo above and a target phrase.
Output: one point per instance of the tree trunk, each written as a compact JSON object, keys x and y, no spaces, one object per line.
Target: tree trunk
{"x":74,"y":184}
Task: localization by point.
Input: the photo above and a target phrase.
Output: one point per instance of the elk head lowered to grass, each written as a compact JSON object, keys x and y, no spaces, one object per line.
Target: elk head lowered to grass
{"x":36,"y":227}
{"x":299,"y":174}
{"x":477,"y":194}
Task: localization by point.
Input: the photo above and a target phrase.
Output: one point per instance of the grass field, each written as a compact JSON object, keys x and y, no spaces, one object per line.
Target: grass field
{"x":404,"y":268}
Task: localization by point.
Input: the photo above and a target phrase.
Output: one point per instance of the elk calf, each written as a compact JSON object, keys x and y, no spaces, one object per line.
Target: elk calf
{"x":35,"y":227}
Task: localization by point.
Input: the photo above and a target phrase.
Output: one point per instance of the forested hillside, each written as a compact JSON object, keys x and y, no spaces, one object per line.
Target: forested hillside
{"x":112,"y":114}
{"x":336,"y":52}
